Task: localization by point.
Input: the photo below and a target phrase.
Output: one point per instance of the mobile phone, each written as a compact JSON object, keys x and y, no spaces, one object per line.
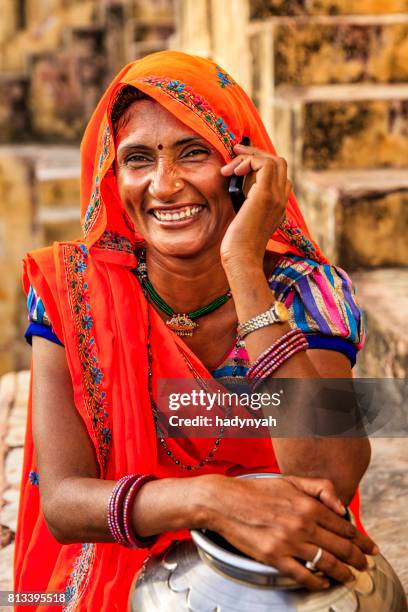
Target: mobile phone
{"x":235,"y":188}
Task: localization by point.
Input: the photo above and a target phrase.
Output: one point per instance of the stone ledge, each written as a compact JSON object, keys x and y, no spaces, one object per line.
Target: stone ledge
{"x":354,"y":92}
{"x":357,"y":216}
{"x":322,"y":50}
{"x":350,"y":19}
{"x":383,"y":501}
{"x":383,"y":294}
{"x":57,"y":215}
{"x":260,"y":9}
{"x":341,"y":126}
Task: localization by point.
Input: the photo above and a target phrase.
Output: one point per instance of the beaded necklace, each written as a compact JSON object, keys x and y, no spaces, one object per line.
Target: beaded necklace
{"x":155,"y":411}
{"x":141,"y":273}
{"x":183,"y":324}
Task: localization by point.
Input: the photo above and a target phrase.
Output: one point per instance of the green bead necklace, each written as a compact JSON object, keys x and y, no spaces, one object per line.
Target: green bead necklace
{"x":182,"y":324}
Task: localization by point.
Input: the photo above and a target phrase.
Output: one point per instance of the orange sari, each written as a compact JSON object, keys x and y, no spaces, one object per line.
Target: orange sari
{"x":105,"y":339}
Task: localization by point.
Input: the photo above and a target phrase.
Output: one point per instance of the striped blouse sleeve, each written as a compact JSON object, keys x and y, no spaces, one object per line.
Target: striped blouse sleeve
{"x":38,"y":320}
{"x":322,"y":303}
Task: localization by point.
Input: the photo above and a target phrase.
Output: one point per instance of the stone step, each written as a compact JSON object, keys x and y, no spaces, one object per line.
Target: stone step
{"x":325,"y":50}
{"x":59,"y":232}
{"x":340,"y":126}
{"x":15,"y":121}
{"x":59,"y":223}
{"x":144,"y":36}
{"x":55,"y":173}
{"x":57,"y":215}
{"x":359,"y":218}
{"x":156,"y":10}
{"x":260,"y":9}
{"x":58,"y":181}
{"x":67,"y":83}
{"x":383,"y":294}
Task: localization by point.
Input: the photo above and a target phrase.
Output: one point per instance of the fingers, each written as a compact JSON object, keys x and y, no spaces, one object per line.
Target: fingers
{"x":343,"y":528}
{"x":243,"y":164}
{"x":317,"y":513}
{"x":341,"y":548}
{"x":254,"y":160}
{"x":328,"y":564}
{"x":366,"y":544}
{"x":323,"y":489}
{"x":292,"y":568}
{"x":320,"y":488}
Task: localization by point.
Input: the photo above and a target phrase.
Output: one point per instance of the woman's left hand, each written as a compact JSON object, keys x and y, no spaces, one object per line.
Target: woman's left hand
{"x":264,"y":207}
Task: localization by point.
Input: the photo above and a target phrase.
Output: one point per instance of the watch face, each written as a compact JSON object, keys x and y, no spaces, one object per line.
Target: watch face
{"x":281,"y":311}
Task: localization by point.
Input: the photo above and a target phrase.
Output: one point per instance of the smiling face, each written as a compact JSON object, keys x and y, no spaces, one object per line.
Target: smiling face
{"x":170,"y":183}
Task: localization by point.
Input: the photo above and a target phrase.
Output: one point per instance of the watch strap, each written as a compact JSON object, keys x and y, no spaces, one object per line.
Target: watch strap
{"x":269,"y":317}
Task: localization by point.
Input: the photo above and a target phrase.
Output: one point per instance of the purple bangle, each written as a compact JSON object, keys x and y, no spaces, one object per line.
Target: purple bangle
{"x":112,"y":519}
{"x":132,"y":540}
{"x":300,"y":347}
{"x":258,"y":373}
{"x":115,"y":504}
{"x":273,"y":351}
{"x":277,"y":343}
{"x":274,"y":358}
{"x":283,"y":356}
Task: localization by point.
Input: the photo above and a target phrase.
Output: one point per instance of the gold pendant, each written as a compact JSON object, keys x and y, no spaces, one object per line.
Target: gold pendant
{"x":182,"y":325}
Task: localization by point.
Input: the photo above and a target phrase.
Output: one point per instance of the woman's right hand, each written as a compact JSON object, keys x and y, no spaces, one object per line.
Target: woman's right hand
{"x":279,"y":521}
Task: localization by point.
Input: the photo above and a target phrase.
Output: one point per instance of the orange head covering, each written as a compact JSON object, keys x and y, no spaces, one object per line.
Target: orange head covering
{"x":204,"y":97}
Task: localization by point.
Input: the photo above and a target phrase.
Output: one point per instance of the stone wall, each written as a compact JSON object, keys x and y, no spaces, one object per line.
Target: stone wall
{"x":16,"y":237}
{"x":55,"y":68}
{"x":56,"y":58}
{"x":267,"y":8}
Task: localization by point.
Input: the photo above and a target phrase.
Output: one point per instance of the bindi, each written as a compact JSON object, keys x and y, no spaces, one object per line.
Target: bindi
{"x":160,"y":147}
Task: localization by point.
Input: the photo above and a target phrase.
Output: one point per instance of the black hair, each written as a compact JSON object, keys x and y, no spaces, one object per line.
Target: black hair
{"x":122,"y":102}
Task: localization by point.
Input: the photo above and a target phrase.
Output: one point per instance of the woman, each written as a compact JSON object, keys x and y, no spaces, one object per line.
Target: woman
{"x":165,"y":138}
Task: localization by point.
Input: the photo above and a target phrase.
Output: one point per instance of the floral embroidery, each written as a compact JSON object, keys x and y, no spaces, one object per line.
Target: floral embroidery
{"x":114,"y":242}
{"x":79,"y":577}
{"x":95,"y":203}
{"x":224,"y":78}
{"x":76,"y":261}
{"x":184,"y":94}
{"x":299,"y":240}
{"x":34,"y":478}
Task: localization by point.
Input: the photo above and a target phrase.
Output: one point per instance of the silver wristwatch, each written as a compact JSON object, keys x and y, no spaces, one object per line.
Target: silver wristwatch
{"x":278,"y":313}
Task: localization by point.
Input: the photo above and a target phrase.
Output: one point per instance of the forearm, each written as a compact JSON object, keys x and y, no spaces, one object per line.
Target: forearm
{"x":77,"y":511}
{"x":341,"y":460}
{"x":301,"y":456}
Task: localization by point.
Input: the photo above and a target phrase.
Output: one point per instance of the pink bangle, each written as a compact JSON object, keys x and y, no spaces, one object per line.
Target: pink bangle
{"x":132,"y":540}
{"x":273,"y":351}
{"x":278,"y":363}
{"x":115,"y":520}
{"x":275,"y":345}
{"x":274,"y":358}
{"x":285,"y":338}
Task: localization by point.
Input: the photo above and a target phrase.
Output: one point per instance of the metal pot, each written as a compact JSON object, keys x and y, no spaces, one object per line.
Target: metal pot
{"x":207,"y":574}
